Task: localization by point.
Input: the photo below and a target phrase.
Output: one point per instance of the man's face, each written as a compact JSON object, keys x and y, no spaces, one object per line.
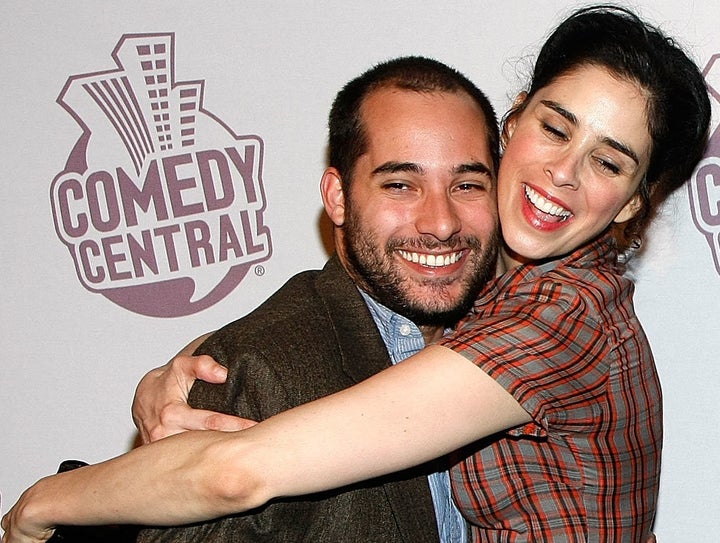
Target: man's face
{"x":420,"y":219}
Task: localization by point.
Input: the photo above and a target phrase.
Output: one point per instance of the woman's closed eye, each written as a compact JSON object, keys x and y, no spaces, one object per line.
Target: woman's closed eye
{"x":608,"y":166}
{"x":554,"y":132}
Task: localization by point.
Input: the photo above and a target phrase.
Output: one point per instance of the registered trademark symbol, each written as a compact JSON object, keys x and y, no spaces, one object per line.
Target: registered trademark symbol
{"x":259,"y":271}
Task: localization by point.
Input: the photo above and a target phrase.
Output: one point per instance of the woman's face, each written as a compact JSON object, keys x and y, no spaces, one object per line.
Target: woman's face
{"x":572,"y":164}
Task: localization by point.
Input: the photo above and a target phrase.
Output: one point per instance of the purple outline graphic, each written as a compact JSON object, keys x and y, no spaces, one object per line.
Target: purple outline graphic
{"x":704,"y":186}
{"x":160,"y":203}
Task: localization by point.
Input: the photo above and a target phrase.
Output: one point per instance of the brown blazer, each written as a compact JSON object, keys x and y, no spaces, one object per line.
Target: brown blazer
{"x":313,"y":337}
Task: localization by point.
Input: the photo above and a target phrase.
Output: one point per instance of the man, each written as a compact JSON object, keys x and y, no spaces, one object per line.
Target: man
{"x":410,"y":191}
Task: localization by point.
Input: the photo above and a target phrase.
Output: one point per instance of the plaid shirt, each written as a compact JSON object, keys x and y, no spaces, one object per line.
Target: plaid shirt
{"x":562,"y":337}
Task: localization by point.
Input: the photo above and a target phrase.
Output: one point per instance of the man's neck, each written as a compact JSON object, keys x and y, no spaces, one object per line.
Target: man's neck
{"x":431,"y":333}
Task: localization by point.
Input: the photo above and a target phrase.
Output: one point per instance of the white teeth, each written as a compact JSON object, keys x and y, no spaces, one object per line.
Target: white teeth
{"x":432,"y":261}
{"x":546,"y":206}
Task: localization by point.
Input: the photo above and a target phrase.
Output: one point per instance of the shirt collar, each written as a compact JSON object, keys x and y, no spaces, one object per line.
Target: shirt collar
{"x":600,"y":254}
{"x":401,"y":336}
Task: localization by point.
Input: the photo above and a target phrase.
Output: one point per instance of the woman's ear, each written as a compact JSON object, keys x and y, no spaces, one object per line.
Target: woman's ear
{"x":629,"y":210}
{"x":511,"y":119}
{"x":333,"y":196}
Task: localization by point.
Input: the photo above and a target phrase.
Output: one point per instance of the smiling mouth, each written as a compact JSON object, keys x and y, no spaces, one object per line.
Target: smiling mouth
{"x":545,"y":206}
{"x":430,"y":260}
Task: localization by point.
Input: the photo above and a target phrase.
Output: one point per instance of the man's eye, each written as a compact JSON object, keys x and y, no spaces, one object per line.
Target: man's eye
{"x":471,"y":186}
{"x":396,"y":185}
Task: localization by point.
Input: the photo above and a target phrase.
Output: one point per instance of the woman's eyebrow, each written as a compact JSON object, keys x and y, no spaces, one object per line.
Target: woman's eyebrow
{"x":624,"y":149}
{"x":615,"y":144}
{"x":556,"y":107}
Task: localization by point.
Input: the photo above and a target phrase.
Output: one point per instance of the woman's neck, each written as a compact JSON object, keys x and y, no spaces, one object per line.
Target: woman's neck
{"x":509,"y":260}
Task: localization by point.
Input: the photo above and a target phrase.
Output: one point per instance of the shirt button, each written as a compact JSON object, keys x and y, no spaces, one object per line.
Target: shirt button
{"x":405,"y":330}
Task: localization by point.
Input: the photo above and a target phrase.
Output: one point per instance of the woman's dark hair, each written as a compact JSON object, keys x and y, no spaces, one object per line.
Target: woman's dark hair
{"x":678,"y":105}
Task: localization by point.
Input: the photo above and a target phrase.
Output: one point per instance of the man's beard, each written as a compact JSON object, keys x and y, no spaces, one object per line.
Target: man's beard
{"x":377,"y":272}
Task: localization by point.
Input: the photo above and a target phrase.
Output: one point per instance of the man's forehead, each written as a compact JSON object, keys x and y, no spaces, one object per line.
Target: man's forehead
{"x":392,"y":96}
{"x":419,"y":131}
{"x":437,"y":113}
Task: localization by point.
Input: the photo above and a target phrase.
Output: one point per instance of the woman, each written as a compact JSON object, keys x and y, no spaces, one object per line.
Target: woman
{"x":551,"y":370}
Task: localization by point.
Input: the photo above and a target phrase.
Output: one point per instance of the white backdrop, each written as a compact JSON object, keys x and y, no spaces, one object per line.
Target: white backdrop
{"x":72,"y":357}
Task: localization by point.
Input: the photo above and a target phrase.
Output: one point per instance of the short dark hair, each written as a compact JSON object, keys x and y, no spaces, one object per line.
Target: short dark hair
{"x":347,"y":139}
{"x":678,"y":104}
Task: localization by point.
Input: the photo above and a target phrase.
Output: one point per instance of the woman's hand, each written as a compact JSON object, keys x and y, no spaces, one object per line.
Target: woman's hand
{"x":23,"y":524}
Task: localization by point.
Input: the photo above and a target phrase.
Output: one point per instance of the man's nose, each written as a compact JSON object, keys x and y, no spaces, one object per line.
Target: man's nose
{"x":438,"y":217}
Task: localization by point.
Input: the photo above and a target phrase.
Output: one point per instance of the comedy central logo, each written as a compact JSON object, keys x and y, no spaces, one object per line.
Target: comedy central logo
{"x":160,"y":204}
{"x":705,"y":182}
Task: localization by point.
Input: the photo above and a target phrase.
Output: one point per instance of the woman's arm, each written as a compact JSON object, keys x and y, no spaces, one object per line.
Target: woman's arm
{"x":420,"y":409}
{"x":429,"y":405}
{"x":172,"y":481}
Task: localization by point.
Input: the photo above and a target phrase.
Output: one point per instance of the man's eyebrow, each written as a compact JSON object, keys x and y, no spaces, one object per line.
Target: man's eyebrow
{"x":395,"y":167}
{"x":413,"y":167}
{"x":473,"y":167}
{"x":615,"y":144}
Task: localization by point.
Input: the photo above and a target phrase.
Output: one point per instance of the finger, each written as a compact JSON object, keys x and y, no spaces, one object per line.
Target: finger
{"x":227,"y":423}
{"x":206,"y":369}
{"x":182,"y":418}
{"x":179,"y":418}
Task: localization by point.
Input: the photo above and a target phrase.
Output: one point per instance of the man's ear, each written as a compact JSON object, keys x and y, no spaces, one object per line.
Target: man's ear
{"x":333,"y":196}
{"x":629,"y":210}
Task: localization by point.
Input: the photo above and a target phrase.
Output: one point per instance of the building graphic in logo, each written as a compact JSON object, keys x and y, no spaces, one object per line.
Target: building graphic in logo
{"x":705,"y":181}
{"x":160,"y":203}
